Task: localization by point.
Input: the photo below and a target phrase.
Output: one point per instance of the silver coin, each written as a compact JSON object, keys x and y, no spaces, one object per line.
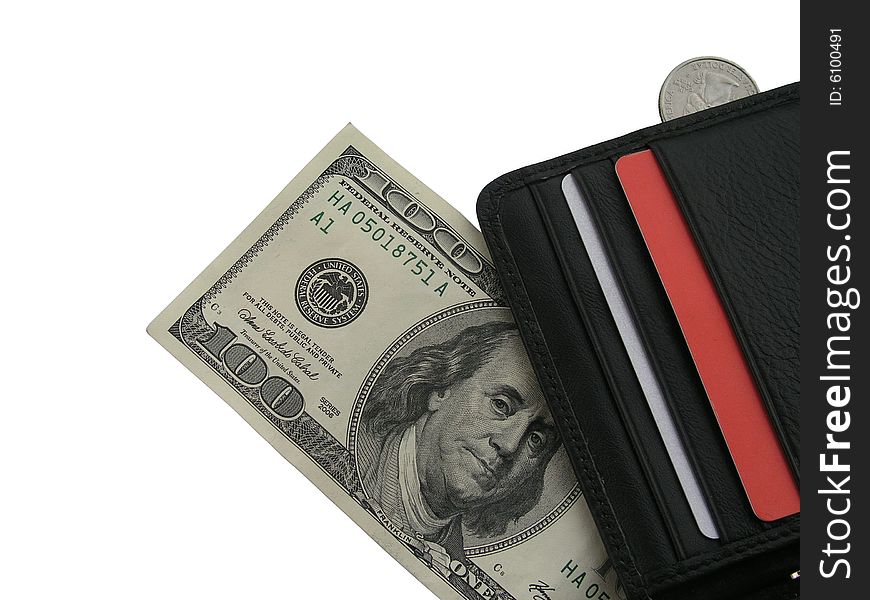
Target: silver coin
{"x":702,"y":83}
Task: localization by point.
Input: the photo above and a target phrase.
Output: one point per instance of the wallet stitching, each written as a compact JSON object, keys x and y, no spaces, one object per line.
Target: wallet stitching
{"x":768,"y":538}
{"x":491,"y":215}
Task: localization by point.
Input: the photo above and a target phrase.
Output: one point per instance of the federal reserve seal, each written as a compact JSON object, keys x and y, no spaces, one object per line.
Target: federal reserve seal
{"x":332,"y":292}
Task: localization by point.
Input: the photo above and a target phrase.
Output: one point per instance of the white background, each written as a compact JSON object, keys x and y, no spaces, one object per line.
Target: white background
{"x":137,"y":141}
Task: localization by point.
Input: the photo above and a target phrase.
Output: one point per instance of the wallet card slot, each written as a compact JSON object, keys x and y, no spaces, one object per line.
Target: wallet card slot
{"x":582,"y":382}
{"x":738,"y":204}
{"x":639,"y":356}
{"x":671,"y":358}
{"x":626,"y":391}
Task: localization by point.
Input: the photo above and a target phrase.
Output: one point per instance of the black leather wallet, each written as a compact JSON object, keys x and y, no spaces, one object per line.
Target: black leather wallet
{"x":734,"y":170}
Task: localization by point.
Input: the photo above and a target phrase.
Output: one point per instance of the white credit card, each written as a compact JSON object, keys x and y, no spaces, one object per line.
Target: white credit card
{"x":639,"y":356}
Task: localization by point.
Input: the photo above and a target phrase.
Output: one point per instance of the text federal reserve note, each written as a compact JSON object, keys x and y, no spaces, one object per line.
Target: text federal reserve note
{"x":358,"y":325}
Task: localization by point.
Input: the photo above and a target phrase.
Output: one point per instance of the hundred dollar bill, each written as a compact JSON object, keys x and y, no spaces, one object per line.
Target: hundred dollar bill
{"x":358,"y":325}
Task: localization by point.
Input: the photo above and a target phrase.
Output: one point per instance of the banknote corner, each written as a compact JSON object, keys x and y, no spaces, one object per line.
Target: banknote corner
{"x":153,"y":328}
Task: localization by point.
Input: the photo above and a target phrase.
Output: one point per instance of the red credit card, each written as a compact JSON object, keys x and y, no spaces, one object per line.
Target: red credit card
{"x":745,"y":424}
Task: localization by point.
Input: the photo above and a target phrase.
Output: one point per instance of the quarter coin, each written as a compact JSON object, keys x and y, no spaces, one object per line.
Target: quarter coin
{"x":702,"y":83}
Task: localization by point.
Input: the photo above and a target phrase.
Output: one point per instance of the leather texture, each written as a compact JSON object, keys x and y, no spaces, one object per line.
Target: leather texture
{"x":734,"y":171}
{"x":755,"y":258}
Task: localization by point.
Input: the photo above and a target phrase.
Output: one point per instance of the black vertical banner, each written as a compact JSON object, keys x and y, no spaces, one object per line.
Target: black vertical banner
{"x":835,"y":226}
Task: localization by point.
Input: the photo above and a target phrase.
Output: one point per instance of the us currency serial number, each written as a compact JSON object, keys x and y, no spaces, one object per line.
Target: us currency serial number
{"x":400,"y":251}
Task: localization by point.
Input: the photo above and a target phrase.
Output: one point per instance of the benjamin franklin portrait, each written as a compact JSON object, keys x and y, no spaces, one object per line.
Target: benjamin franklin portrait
{"x":457,"y":434}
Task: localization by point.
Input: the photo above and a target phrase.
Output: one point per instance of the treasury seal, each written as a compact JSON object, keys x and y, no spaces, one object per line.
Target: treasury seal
{"x":331,"y":293}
